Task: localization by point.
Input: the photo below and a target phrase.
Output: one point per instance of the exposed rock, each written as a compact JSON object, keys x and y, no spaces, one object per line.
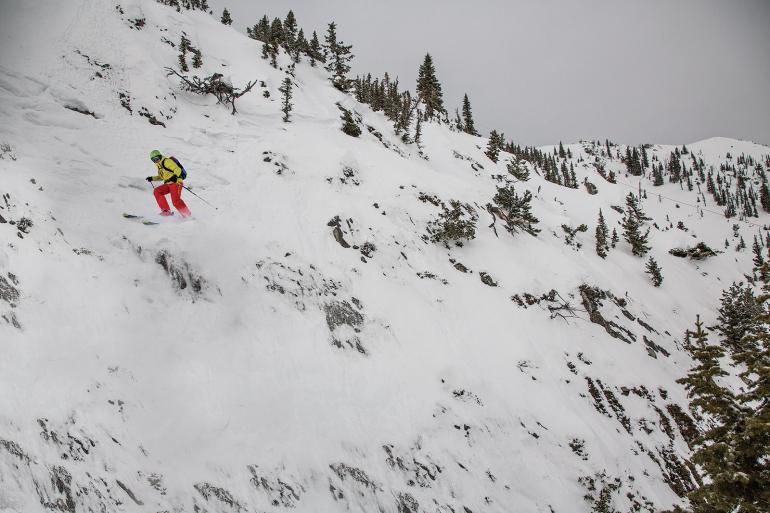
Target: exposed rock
{"x":209,"y":491}
{"x":486,"y":279}
{"x":181,"y":273}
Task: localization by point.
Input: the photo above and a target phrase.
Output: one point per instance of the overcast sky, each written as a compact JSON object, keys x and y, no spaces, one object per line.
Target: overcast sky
{"x":541,"y":71}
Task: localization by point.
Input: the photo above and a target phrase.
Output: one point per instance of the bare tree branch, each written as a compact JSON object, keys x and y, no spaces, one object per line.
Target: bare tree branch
{"x":224,"y":92}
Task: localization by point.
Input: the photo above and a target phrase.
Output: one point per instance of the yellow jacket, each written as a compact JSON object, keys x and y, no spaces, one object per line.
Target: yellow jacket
{"x":167,"y":169}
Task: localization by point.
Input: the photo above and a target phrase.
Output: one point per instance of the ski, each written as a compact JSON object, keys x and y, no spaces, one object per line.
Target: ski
{"x":144,"y":221}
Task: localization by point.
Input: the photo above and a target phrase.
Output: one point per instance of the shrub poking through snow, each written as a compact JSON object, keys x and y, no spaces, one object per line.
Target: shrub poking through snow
{"x":515,"y":210}
{"x":349,"y":125}
{"x":700,"y":251}
{"x":454,"y":224}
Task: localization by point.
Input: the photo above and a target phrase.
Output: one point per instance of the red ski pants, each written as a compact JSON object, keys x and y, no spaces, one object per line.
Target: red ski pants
{"x":175,"y":189}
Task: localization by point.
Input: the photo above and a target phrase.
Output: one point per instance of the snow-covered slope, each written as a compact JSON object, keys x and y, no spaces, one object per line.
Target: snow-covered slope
{"x":244,"y":360}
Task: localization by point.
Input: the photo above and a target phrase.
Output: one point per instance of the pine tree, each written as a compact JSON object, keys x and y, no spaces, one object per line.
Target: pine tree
{"x":349,"y":126}
{"x":286,"y":105}
{"x":518,"y":170}
{"x":764,"y":195}
{"x":226,"y":19}
{"x":708,"y":398}
{"x":418,"y":134}
{"x":338,"y":57}
{"x":429,"y":88}
{"x":290,"y":33}
{"x":496,"y":143}
{"x":653,"y":269}
{"x":184,"y":47}
{"x":301,"y":46}
{"x":404,"y":117}
{"x":276,"y":34}
{"x":314,"y":51}
{"x":733,"y":451}
{"x":632,"y":203}
{"x":261,"y":30}
{"x":515,"y":210}
{"x":467,"y":125}
{"x":615,"y":239}
{"x":197,"y":61}
{"x":602,"y":232}
{"x":632,"y":224}
{"x":738,"y":312}
{"x":759,"y":259}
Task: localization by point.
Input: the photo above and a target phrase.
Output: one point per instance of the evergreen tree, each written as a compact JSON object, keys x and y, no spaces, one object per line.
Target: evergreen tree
{"x":226,"y":19}
{"x":738,"y":312}
{"x":467,"y":123}
{"x":632,"y":225}
{"x":286,"y":105}
{"x":338,"y":57}
{"x":197,"y":61}
{"x":615,"y":239}
{"x":349,"y":126}
{"x":653,"y":269}
{"x":429,"y":88}
{"x":300,"y":47}
{"x":515,"y":210}
{"x":276,"y":34}
{"x":496,"y":143}
{"x":184,"y":47}
{"x":759,"y":259}
{"x":733,"y":450}
{"x":315,"y":53}
{"x":404,"y":117}
{"x":454,"y":225}
{"x":290,"y":33}
{"x":602,"y":232}
{"x":764,"y":195}
{"x":518,"y":170}
{"x":262,"y":29}
{"x":418,"y":133}
{"x":632,"y":203}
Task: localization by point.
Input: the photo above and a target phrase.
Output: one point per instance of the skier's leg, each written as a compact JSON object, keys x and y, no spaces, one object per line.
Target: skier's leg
{"x":160,"y":196}
{"x":176,"y":199}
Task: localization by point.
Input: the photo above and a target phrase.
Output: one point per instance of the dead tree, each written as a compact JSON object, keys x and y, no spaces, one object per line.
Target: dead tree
{"x":224,"y":92}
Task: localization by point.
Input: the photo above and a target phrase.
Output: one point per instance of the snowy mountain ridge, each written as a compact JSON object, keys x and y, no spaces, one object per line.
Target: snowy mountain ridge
{"x":305,"y":346}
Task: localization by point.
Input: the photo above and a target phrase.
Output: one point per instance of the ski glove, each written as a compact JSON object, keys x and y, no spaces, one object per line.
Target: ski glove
{"x":149,"y":179}
{"x":173,"y":179}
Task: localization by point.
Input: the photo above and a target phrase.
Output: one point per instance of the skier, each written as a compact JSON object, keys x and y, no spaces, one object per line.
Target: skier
{"x":171,"y":175}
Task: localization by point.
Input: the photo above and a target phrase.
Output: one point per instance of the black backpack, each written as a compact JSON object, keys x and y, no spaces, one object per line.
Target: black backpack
{"x":184,"y":172}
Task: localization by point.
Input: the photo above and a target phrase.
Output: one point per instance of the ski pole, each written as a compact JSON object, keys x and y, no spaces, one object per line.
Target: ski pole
{"x":203,"y":200}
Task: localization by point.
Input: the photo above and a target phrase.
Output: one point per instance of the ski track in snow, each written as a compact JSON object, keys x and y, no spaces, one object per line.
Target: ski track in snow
{"x":244,"y":361}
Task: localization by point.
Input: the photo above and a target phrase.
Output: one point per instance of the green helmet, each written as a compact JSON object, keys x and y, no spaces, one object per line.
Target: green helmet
{"x":155,"y":154}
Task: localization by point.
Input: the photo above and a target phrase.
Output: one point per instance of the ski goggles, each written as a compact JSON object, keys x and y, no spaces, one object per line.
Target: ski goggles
{"x":156,"y":159}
